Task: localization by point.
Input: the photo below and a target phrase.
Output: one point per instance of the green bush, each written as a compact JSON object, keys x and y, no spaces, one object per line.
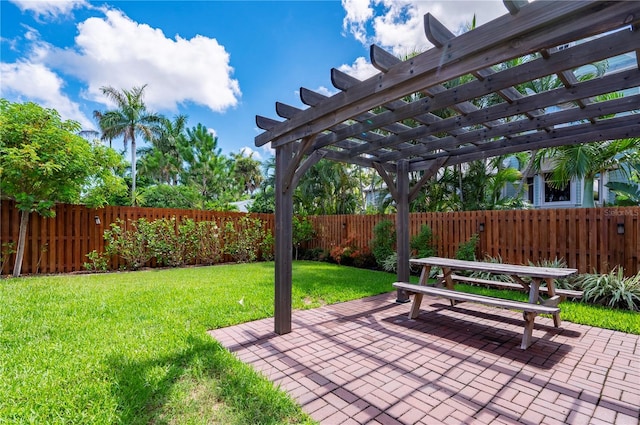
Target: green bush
{"x":243,"y":240}
{"x":131,"y":241}
{"x":98,"y":262}
{"x":422,"y":243}
{"x":612,"y":289}
{"x":467,"y":250}
{"x":383,"y":242}
{"x":209,"y":243}
{"x":303,"y":231}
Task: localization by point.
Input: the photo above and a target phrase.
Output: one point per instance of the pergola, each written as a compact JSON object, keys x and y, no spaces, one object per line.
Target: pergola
{"x":393,"y":121}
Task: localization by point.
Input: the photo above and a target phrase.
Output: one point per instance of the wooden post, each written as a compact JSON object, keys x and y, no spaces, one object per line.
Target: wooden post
{"x":283,"y":242}
{"x":402,"y":226}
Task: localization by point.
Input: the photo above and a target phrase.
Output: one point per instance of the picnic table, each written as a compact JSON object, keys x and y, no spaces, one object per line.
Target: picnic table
{"x":528,"y":278}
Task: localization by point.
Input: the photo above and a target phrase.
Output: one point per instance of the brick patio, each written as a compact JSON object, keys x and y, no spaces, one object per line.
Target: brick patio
{"x":364,"y":362}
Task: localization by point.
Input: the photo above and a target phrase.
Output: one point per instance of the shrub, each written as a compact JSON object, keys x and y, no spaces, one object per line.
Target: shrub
{"x":390,"y":264}
{"x":612,"y":289}
{"x":8,"y":249}
{"x":563,"y":283}
{"x":384,"y":238}
{"x":243,"y":241}
{"x":98,"y":262}
{"x":130,"y":241}
{"x":209,"y":243}
{"x":266,"y":247}
{"x":349,"y":253}
{"x":422,"y":243}
{"x":492,"y":276}
{"x":303,"y":231}
{"x":166,"y":244}
{"x":467,"y":250}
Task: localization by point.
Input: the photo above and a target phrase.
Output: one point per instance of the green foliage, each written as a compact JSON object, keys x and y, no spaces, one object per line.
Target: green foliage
{"x":491,"y":276}
{"x":628,"y":193}
{"x":243,"y":240}
{"x":422,"y":244}
{"x":303,"y":231}
{"x":169,"y":196}
{"x":132,"y":241}
{"x":209,"y":249}
{"x":467,"y":250}
{"x":42,"y":160}
{"x":6,"y":250}
{"x":98,"y":262}
{"x":612,"y":289}
{"x":383,"y":242}
{"x":390,"y":264}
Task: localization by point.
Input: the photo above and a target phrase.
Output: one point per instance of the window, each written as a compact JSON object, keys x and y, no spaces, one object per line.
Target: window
{"x":557,"y":195}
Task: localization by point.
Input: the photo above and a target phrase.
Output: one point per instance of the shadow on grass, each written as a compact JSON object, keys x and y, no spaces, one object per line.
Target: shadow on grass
{"x":246,"y":397}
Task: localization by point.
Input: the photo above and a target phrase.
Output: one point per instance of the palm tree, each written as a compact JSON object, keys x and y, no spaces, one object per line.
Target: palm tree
{"x":128,"y":120}
{"x":586,"y":161}
{"x":163,"y":162}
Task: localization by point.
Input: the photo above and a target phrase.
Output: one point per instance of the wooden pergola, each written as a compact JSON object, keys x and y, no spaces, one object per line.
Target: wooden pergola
{"x":393,"y":121}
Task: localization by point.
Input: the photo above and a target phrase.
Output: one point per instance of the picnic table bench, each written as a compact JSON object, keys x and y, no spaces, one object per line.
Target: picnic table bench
{"x":534,"y":277}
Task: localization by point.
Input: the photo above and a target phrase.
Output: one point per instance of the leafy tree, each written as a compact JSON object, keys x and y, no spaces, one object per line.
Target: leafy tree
{"x":247,"y":173}
{"x":128,"y":120}
{"x":169,"y":196}
{"x":303,"y":231}
{"x":41,"y":161}
{"x":105,"y":186}
{"x":207,"y":169}
{"x":327,"y":188}
{"x":162,"y":162}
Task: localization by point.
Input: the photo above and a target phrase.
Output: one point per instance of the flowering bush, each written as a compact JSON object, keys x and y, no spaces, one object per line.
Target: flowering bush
{"x":349,"y":253}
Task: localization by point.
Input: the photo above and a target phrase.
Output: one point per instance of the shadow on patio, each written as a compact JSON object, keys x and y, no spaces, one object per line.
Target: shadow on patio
{"x":363,"y":361}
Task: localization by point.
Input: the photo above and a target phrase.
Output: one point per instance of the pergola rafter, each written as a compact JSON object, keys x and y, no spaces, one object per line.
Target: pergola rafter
{"x":431,"y":110}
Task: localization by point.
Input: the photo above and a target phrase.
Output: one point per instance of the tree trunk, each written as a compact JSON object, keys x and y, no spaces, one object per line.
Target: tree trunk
{"x":24,"y":222}
{"x":133,"y":171}
{"x":587,"y":194}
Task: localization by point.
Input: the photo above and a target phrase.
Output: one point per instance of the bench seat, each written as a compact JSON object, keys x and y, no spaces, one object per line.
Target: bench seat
{"x":565,"y":293}
{"x":530,"y":310}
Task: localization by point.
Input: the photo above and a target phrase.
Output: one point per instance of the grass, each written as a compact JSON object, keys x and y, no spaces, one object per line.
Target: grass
{"x":132,"y":348}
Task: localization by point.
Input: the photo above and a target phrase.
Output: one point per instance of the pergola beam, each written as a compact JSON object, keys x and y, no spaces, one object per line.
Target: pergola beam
{"x":416,"y":116}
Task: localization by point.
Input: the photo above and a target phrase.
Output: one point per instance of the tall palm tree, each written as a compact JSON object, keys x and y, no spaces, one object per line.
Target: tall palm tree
{"x":128,"y":120}
{"x":163,"y":162}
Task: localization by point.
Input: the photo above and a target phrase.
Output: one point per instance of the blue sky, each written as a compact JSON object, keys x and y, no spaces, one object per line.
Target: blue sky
{"x":219,"y":62}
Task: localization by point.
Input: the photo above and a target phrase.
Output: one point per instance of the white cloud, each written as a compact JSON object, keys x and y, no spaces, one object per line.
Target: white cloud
{"x":30,"y":81}
{"x":326,"y":91}
{"x":250,"y":152}
{"x":360,"y":69}
{"x":121,"y":53}
{"x":358,"y":13}
{"x":398,"y":24}
{"x":50,"y":9}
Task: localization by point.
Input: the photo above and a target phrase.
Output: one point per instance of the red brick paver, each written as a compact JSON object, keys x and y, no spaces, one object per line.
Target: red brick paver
{"x":364,"y":362}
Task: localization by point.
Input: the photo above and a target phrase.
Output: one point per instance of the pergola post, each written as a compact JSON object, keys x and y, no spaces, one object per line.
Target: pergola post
{"x":283,"y":242}
{"x":402,"y":226}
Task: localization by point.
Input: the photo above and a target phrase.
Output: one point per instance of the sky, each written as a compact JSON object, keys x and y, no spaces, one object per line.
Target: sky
{"x":221,"y":63}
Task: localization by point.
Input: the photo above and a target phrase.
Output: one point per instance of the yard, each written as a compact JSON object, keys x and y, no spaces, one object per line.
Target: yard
{"x":132,"y":347}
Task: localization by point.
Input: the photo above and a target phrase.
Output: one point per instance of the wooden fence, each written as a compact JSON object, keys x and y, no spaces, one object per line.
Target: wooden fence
{"x":588,"y":239}
{"x":60,"y":244}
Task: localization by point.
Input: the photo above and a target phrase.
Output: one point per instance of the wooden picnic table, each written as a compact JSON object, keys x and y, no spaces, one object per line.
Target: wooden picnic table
{"x":529,"y":277}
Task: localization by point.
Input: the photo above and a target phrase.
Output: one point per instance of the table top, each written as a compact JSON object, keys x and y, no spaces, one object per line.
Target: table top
{"x":497,"y":268}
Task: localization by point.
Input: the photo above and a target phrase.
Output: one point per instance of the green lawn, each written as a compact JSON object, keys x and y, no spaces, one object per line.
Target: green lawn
{"x":132,"y":348}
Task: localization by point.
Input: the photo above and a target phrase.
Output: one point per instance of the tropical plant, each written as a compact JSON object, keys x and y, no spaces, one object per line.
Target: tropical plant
{"x":384,"y":240}
{"x":586,"y":161}
{"x":207,"y":169}
{"x":42,"y":161}
{"x":246,"y":172}
{"x":422,"y":244}
{"x":161,"y":162}
{"x":628,"y":193}
{"x":327,"y":188}
{"x":467,"y":250}
{"x":128,"y":120}
{"x":612,"y":289}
